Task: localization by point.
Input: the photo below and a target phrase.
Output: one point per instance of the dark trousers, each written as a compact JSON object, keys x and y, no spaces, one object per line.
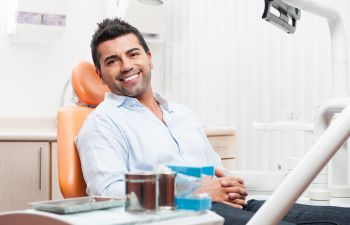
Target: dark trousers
{"x":299,"y":214}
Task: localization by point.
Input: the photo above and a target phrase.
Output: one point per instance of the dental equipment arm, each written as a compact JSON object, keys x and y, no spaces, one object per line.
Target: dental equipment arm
{"x":276,"y":207}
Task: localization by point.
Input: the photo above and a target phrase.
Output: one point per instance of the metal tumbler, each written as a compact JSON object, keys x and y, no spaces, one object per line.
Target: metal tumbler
{"x":166,"y":184}
{"x":141,"y":191}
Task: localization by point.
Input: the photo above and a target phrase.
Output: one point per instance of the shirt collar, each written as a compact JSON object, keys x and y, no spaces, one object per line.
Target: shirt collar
{"x":163,"y":102}
{"x":121,"y":100}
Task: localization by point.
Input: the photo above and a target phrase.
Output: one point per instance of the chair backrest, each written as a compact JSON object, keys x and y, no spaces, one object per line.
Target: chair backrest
{"x":89,"y":91}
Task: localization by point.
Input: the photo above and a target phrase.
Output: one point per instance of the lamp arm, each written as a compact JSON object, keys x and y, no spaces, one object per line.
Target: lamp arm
{"x":338,"y":41}
{"x":276,"y":207}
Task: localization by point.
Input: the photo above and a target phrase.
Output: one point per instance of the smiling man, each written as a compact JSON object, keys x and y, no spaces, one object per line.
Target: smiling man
{"x":126,"y":67}
{"x":125,"y":64}
{"x":135,"y":129}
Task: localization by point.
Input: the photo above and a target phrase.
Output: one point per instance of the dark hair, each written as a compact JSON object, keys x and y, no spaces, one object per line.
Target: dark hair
{"x":109,"y":29}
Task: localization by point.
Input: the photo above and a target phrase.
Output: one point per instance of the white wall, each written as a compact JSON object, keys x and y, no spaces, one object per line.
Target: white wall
{"x":221,"y":59}
{"x":32,"y":76}
{"x":233,"y":68}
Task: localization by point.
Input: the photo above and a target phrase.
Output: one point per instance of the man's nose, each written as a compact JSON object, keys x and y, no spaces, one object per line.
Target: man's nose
{"x":126,"y":65}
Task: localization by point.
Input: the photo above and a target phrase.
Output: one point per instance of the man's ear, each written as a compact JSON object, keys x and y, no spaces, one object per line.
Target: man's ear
{"x":149,"y":54}
{"x":100,"y":75}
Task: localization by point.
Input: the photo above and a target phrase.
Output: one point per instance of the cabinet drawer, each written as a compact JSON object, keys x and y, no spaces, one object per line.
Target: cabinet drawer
{"x":24,"y":172}
{"x":228,"y":164}
{"x":223,"y":145}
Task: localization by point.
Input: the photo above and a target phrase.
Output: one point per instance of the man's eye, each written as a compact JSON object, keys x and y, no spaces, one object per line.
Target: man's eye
{"x":133,"y":54}
{"x":110,"y":61}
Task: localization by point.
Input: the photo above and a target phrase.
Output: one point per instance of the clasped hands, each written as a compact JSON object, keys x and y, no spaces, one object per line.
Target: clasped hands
{"x":224,"y":189}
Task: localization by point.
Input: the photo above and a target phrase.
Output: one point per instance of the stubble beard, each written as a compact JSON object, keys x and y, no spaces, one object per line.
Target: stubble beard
{"x":138,"y":90}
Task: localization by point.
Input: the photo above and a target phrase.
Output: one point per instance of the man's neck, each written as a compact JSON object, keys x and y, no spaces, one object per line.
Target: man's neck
{"x":150,"y":102}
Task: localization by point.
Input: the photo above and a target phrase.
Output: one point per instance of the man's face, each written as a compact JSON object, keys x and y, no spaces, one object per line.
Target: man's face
{"x":125,"y":66}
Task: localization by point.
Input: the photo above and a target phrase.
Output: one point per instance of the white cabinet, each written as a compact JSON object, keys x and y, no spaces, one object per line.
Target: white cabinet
{"x":222,"y":141}
{"x":24,"y":174}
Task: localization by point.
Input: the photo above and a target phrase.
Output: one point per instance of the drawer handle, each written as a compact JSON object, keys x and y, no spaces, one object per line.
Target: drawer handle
{"x":40,"y":167}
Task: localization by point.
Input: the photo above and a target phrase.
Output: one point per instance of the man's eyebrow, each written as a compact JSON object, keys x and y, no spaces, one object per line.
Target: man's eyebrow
{"x":132,"y":49}
{"x":116,"y":57}
{"x":110,"y":57}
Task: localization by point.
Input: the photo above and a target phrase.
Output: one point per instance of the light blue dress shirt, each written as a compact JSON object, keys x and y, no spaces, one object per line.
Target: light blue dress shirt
{"x":123,"y":135}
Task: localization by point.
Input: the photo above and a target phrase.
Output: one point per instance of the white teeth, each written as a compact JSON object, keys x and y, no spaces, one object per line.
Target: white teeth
{"x":131,"y":77}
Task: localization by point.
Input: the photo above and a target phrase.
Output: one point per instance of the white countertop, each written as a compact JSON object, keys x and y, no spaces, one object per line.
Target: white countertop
{"x":220,"y":131}
{"x":28,"y":128}
{"x":45,"y":129}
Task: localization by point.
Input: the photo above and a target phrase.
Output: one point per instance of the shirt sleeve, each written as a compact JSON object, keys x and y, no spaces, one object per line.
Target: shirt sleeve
{"x":103,"y":153}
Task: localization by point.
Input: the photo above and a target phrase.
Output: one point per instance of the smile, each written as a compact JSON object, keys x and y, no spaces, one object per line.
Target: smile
{"x":132,"y":77}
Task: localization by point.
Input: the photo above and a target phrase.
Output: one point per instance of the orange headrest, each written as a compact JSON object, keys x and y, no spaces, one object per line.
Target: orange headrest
{"x":87,"y":85}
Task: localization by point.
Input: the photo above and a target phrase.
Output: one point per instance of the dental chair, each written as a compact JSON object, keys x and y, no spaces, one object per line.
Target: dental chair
{"x":89,"y":92}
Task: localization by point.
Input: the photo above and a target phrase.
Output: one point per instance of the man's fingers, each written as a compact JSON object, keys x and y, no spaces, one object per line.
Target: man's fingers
{"x":219,"y":173}
{"x":233,"y":205}
{"x":236,"y":189}
{"x":239,"y":180}
{"x":239,"y":202}
{"x":232,"y":181}
{"x":233,"y":196}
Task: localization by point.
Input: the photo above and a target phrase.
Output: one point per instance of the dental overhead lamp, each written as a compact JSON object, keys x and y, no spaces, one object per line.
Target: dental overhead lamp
{"x":284,"y":14}
{"x":281,"y":15}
